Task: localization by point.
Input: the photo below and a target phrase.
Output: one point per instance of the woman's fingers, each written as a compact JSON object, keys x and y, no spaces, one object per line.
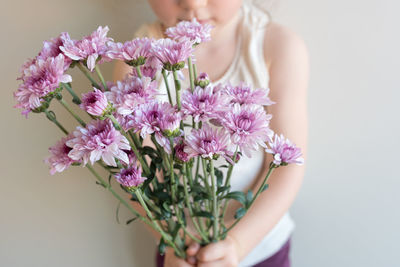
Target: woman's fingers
{"x":225,"y":262}
{"x":212,"y":252}
{"x":193,"y":249}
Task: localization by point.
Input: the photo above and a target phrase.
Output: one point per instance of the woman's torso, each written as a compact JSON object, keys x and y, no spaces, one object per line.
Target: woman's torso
{"x":245,"y":64}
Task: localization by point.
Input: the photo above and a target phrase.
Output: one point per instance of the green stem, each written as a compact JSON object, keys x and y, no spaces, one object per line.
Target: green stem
{"x":52,"y":117}
{"x":185,"y":186}
{"x":167,"y":85}
{"x":255,"y":196}
{"x":145,"y":167}
{"x":156,"y":226}
{"x":195,"y":71}
{"x":135,"y":139}
{"x":75,"y":98}
{"x":215,"y":203}
{"x":228,"y":180}
{"x":97,"y":69}
{"x":138,"y":71}
{"x":191,"y":73}
{"x":88,"y":75}
{"x":66,"y":106}
{"x":177,"y":89}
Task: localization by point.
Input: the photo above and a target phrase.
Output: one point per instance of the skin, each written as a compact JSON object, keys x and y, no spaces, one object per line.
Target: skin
{"x":287,"y":59}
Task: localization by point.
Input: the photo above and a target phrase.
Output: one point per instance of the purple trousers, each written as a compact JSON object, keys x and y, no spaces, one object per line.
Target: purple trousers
{"x":279,"y":259}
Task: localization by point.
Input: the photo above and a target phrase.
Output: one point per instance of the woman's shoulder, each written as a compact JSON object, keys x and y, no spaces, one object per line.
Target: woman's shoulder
{"x":282,"y":43}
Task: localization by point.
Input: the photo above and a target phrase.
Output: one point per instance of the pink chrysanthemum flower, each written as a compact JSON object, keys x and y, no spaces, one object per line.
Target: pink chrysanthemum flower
{"x":248,"y":126}
{"x":202,"y":104}
{"x":39,"y":79}
{"x":180,"y":153}
{"x":284,"y":151}
{"x":209,"y":143}
{"x":89,"y":48}
{"x":202,"y":80}
{"x":98,"y":140}
{"x":193,"y":31}
{"x":243,"y":94}
{"x":131,"y":156}
{"x":130,"y":177}
{"x":126,"y":95}
{"x":59,"y":159}
{"x":94,"y":103}
{"x":150,"y":68}
{"x":171,"y":53}
{"x":134,"y":52}
{"x":52,"y":49}
{"x":155,"y":117}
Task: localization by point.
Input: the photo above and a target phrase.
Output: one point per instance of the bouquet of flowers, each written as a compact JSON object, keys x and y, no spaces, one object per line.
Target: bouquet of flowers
{"x":162,"y":153}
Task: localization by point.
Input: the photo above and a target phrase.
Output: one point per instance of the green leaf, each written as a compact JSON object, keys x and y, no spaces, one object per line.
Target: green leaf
{"x":265,"y":187}
{"x":162,"y":246}
{"x":220,"y":176}
{"x":249,"y":196}
{"x":204,"y":214}
{"x":131,"y":220}
{"x":109,"y":179}
{"x":223,"y":189}
{"x":101,"y":184}
{"x":237,"y":195}
{"x":240,"y":213}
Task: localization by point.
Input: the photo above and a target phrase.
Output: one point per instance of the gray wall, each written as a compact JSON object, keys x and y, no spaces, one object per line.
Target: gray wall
{"x":345,"y":212}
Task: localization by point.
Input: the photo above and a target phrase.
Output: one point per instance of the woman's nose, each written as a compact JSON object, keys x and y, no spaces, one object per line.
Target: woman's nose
{"x":192,"y":4}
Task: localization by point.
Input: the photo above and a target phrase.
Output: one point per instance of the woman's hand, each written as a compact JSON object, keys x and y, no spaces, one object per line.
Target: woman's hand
{"x":171,"y":260}
{"x":223,"y":253}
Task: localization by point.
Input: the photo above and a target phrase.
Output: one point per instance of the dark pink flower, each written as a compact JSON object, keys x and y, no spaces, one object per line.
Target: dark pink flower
{"x":99,"y":139}
{"x":89,"y":49}
{"x":38,"y":80}
{"x":202,"y":104}
{"x":130,"y":177}
{"x":202,"y":80}
{"x":193,"y":31}
{"x":133,"y":52}
{"x":248,"y":126}
{"x":180,"y":153}
{"x":59,"y":159}
{"x":284,"y":151}
{"x":94,"y":103}
{"x":243,"y":94}
{"x":209,"y":143}
{"x":171,"y":53}
{"x":126,"y":95}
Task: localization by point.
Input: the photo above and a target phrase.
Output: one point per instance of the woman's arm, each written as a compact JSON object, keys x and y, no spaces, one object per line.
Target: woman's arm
{"x":287,"y":59}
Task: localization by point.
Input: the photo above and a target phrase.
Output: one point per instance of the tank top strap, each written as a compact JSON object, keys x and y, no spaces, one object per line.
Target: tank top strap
{"x":252,"y":65}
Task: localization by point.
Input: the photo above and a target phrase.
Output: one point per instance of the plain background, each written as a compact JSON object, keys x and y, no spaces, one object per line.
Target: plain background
{"x":347,"y":211}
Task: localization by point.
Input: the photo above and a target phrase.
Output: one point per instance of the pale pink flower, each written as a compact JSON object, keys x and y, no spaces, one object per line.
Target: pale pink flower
{"x":134,"y":52}
{"x":150,"y":68}
{"x":171,"y":53}
{"x":193,"y":31}
{"x":38,"y":80}
{"x":243,"y":94}
{"x":126,"y":95}
{"x":209,"y":143}
{"x":202,"y":104}
{"x":156,"y":117}
{"x":89,"y":49}
{"x":248,"y":126}
{"x":130,"y":177}
{"x":52,"y":49}
{"x":99,"y":139}
{"x":59,"y":159}
{"x":284,"y":151}
{"x":94,"y":103}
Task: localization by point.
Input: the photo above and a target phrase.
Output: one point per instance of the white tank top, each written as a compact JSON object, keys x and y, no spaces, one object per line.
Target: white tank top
{"x":248,"y":65}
